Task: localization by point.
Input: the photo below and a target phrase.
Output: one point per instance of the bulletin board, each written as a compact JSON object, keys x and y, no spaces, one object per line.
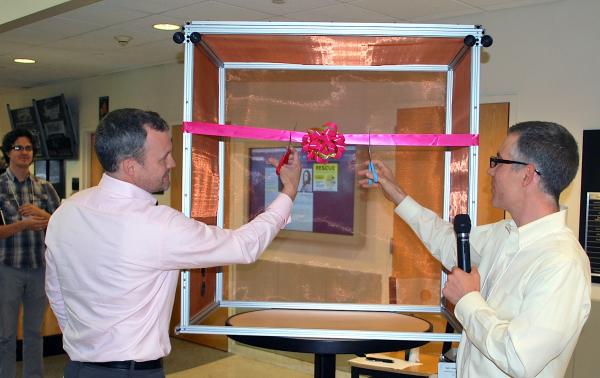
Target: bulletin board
{"x":325,"y":199}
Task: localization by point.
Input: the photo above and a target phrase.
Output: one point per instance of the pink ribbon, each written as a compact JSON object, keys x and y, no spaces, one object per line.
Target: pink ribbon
{"x":247,"y":132}
{"x":322,"y":144}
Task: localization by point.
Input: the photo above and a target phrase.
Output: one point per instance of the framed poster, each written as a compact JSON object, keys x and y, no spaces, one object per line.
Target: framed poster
{"x":57,"y":126}
{"x":325,"y":200}
{"x":26,"y":118}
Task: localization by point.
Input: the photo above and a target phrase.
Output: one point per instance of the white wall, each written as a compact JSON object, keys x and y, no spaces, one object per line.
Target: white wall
{"x":546,"y":58}
{"x":158,"y":88}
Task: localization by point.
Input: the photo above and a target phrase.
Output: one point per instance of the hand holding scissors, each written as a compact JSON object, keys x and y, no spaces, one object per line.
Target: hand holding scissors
{"x":286,"y":157}
{"x":372,"y":166}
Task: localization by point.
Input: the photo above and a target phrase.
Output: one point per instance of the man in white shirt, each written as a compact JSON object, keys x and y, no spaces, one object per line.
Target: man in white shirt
{"x":524,"y":303}
{"x":113,"y":257}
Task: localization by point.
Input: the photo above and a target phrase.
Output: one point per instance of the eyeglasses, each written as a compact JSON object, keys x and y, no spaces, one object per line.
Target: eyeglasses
{"x":18,"y":147}
{"x":494,"y":161}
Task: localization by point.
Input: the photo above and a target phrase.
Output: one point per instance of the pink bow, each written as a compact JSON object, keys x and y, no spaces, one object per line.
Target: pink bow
{"x":323,"y":144}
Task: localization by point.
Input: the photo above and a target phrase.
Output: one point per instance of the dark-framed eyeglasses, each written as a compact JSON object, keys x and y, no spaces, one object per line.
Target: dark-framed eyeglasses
{"x":18,"y":147}
{"x":495,"y":160}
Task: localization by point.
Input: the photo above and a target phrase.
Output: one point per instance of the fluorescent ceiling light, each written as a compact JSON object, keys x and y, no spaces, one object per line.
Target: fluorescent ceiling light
{"x":24,"y":60}
{"x":166,"y":26}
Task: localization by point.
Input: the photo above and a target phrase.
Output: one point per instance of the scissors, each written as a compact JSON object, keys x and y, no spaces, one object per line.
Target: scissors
{"x":286,"y":157}
{"x":371,"y":165}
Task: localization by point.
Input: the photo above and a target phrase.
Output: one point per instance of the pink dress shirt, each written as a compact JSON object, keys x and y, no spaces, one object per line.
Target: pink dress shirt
{"x":113,"y":261}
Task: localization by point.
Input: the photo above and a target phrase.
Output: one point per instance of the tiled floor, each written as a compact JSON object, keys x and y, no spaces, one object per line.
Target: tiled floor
{"x":189,"y":360}
{"x":237,"y":366}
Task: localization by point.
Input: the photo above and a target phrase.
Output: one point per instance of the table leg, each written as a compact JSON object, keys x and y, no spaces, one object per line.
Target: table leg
{"x":324,"y":365}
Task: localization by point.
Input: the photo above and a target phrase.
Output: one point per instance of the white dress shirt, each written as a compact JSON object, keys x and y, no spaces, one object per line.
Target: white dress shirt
{"x":113,"y":260}
{"x":534,"y":298}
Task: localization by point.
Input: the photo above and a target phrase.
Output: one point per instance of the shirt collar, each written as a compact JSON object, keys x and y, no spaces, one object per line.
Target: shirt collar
{"x":14,"y":178}
{"x":538,"y":229}
{"x":125,"y":189}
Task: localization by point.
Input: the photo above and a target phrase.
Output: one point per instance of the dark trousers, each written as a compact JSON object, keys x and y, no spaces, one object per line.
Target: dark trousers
{"x":76,"y":369}
{"x":21,"y":286}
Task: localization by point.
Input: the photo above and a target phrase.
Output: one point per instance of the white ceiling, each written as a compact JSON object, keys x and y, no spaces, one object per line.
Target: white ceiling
{"x":80,"y":43}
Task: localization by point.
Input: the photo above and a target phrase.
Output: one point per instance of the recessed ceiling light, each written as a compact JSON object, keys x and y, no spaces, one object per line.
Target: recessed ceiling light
{"x":278,"y":1}
{"x":166,"y":26}
{"x":24,"y":60}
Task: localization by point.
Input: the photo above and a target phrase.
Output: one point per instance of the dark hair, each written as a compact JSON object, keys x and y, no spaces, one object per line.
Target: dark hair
{"x":553,"y":151}
{"x":306,"y":171}
{"x":121,"y":134}
{"x":11,"y":137}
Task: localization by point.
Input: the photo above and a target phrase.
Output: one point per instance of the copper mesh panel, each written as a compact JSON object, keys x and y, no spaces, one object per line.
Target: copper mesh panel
{"x":205,"y":168}
{"x":420,"y":171}
{"x":461,"y":96}
{"x":334,"y":50}
{"x":459,"y":182}
{"x":205,"y":175}
{"x":461,"y":123}
{"x":331,"y":268}
{"x":356,"y":101}
{"x":382,"y":102}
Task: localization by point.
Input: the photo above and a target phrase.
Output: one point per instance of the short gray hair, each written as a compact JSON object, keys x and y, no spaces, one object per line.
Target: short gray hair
{"x":121,"y":134}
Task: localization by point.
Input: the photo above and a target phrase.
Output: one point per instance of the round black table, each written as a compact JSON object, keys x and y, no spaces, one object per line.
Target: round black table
{"x":325,"y":349}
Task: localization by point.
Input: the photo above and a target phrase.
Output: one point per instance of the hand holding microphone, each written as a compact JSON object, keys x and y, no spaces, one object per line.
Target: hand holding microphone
{"x":462,"y":227}
{"x":461,"y":281}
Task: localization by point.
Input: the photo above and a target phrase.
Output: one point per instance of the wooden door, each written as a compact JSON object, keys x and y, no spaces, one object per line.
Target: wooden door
{"x":96,"y":169}
{"x":415,"y":274}
{"x":493,"y":127}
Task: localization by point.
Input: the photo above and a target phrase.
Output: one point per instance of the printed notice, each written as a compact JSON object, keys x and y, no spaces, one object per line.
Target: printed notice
{"x":326,"y":177}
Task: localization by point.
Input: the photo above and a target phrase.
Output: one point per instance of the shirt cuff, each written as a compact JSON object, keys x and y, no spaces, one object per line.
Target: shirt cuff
{"x":408,"y":208}
{"x":282,"y":206}
{"x":467,"y":305}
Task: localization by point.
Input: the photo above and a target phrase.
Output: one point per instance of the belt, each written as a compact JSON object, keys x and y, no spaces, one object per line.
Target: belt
{"x":127,"y":365}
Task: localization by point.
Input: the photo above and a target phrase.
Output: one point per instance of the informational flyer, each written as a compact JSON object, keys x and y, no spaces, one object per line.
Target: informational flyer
{"x":326,"y":177}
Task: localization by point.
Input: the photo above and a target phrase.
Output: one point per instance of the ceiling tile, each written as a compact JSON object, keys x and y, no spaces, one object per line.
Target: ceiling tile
{"x":216,"y":11}
{"x":342,"y":13}
{"x":152,"y":6}
{"x":411,"y":10}
{"x":502,"y":4}
{"x":103,"y":40}
{"x":104,"y":13}
{"x":7,"y":47}
{"x":47,"y":30}
{"x":290,"y":6}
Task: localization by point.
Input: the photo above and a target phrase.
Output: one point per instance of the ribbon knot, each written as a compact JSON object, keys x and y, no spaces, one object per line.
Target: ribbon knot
{"x":323,"y":144}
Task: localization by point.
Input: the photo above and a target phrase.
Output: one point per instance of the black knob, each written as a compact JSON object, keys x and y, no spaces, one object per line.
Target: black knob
{"x":195,"y":37}
{"x":178,"y":37}
{"x":487,"y":40}
{"x":470,"y":40}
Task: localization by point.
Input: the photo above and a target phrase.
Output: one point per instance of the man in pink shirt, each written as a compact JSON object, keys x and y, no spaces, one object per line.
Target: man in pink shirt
{"x":113,"y":257}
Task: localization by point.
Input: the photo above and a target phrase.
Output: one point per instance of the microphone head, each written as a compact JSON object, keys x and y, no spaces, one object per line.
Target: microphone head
{"x":462,"y":224}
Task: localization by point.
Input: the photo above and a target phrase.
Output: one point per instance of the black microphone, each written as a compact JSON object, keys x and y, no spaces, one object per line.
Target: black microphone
{"x":462,"y":227}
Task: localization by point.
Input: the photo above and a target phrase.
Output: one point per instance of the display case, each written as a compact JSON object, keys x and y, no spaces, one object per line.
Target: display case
{"x":407,"y":92}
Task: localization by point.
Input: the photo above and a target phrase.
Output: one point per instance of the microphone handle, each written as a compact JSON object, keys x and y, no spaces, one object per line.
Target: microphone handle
{"x":463,"y":252}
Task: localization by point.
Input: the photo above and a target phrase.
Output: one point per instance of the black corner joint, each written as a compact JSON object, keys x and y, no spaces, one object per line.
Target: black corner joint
{"x":179,"y":37}
{"x":485,"y":41}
